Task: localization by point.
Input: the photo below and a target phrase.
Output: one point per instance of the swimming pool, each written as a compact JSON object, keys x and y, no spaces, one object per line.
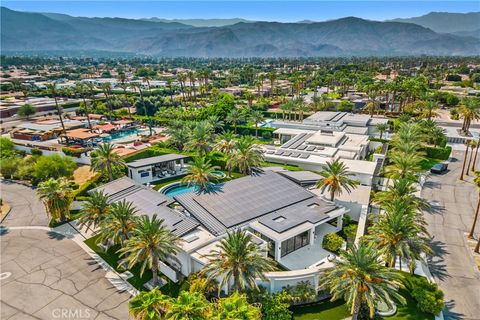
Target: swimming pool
{"x":179,"y":188}
{"x":267,"y":124}
{"x":124,"y":134}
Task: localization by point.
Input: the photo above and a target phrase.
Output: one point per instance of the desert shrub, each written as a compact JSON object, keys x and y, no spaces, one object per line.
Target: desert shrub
{"x":36,"y":152}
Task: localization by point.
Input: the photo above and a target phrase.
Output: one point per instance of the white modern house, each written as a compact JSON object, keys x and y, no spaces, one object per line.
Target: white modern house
{"x":153,"y":169}
{"x":335,"y":121}
{"x":312,"y":150}
{"x":286,"y":220}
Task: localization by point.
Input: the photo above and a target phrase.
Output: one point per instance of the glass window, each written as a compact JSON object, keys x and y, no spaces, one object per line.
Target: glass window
{"x":295,"y":243}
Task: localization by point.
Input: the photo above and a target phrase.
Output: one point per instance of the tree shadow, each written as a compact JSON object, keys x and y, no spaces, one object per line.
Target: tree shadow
{"x":436,"y":263}
{"x":434,"y":208}
{"x":55,"y":235}
{"x":431,"y":185}
{"x":449,"y":314}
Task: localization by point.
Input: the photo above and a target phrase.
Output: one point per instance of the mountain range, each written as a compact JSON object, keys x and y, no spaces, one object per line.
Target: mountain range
{"x":30,"y":32}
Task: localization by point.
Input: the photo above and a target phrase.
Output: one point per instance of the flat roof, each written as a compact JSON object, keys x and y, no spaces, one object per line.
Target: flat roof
{"x":154,"y":160}
{"x":301,"y":177}
{"x":148,"y":202}
{"x":239,"y":201}
{"x":311,"y":210}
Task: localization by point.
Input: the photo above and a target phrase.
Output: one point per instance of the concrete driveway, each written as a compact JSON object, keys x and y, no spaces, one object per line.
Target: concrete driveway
{"x":453,"y":204}
{"x":46,"y":276}
{"x":27,"y":209}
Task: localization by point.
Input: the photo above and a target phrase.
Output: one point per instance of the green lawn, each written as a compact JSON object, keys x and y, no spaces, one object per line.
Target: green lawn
{"x":336,"y":310}
{"x":111,"y":257}
{"x":285,"y":166}
{"x":427,"y":163}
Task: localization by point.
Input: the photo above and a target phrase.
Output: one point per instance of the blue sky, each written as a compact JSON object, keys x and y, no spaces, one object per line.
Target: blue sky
{"x":280,"y":10}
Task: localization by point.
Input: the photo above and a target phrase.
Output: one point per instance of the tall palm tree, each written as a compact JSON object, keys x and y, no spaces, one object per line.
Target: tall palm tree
{"x":359,"y":278}
{"x":257,"y":118}
{"x":52,"y":89}
{"x":118,"y":225}
{"x":469,"y":110}
{"x":56,"y":195}
{"x":476,"y":180}
{"x":399,"y":233}
{"x":400,"y":189}
{"x":235,"y":117}
{"x":428,"y":110}
{"x":235,"y":307}
{"x":107,"y":91}
{"x":105,"y":159}
{"x":201,"y":138}
{"x":94,"y":210}
{"x":404,"y":165}
{"x":201,"y":174}
{"x":336,"y":178}
{"x":473,"y":146}
{"x":82,"y":90}
{"x":474,"y":164}
{"x":467,"y":143}
{"x":149,"y":305}
{"x":150,"y":242}
{"x":189,"y":306}
{"x":237,"y":259}
{"x":382,"y":127}
{"x":246,"y":156}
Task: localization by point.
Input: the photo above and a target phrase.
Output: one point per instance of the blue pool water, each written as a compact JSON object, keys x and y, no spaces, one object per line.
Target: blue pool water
{"x":177,"y":190}
{"x":267,"y":124}
{"x":123,"y":134}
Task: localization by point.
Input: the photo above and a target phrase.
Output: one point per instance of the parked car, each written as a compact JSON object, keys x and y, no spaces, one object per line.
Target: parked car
{"x":439,"y":168}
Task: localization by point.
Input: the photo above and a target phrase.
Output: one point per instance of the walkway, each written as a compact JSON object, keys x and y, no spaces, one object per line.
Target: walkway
{"x":452,"y":207}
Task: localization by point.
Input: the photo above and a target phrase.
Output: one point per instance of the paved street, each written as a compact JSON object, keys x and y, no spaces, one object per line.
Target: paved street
{"x":46,"y":276}
{"x":27,"y":209}
{"x":453,"y":203}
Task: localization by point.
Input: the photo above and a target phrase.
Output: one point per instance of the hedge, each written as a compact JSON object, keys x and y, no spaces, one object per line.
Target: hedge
{"x":250,"y":130}
{"x":438,"y":153}
{"x":87,"y":185}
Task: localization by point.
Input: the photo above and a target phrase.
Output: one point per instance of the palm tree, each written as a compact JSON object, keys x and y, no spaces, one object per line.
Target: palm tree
{"x":200,"y":174}
{"x":246,"y":156}
{"x":235,"y":117}
{"x":400,"y":189}
{"x":237,"y":259}
{"x":150,"y":242}
{"x":105,"y":159}
{"x":404,"y":165}
{"x":52,"y":88}
{"x":94,"y":210}
{"x":399,"y":233}
{"x":474,"y":164}
{"x":382,"y":127}
{"x":82,"y":90}
{"x":149,"y":305}
{"x":118,"y":225}
{"x":188,"y":306}
{"x":201,"y":138}
{"x":226,"y":143}
{"x":476,"y":180}
{"x":257,"y":117}
{"x":107,"y":90}
{"x":235,"y":307}
{"x":467,"y":143}
{"x":359,"y":278}
{"x":178,"y":136}
{"x":469,"y":110}
{"x":473,"y":145}
{"x":428,"y":110}
{"x":336,"y":178}
{"x":124,"y":87}
{"x":56,"y":195}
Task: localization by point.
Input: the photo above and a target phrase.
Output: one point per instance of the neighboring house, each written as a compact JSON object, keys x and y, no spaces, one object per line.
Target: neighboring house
{"x":335,"y":121}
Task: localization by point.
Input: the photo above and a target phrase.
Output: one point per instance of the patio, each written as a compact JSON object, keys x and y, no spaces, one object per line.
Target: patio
{"x":310,"y":255}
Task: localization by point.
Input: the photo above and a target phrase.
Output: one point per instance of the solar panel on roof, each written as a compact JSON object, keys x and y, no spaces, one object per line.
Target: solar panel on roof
{"x":304,"y":156}
{"x":279,"y":153}
{"x":302,"y":147}
{"x":270,"y":152}
{"x":310,"y":148}
{"x":287,"y":153}
{"x":295,"y":155}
